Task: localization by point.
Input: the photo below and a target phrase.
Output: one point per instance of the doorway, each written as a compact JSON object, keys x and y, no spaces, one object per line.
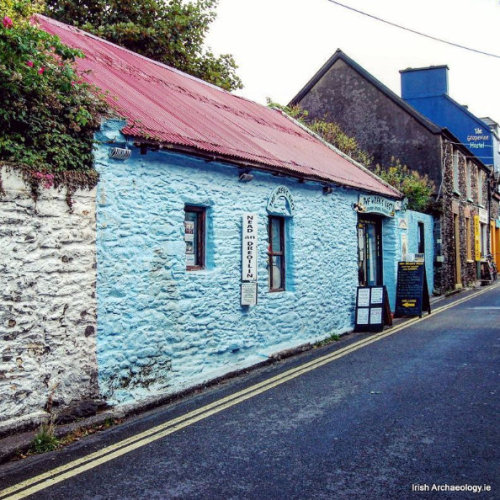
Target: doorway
{"x":369,"y":251}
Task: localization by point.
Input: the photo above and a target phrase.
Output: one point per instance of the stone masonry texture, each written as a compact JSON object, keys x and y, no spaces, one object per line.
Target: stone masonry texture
{"x":162,"y":328}
{"x":380,"y":126}
{"x":48,"y":303}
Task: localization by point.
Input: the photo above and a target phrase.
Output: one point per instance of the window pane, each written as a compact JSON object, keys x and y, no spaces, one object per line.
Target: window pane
{"x":276,"y":277}
{"x":276,"y":253}
{"x":276,"y":235}
{"x":455,"y":171}
{"x":192,"y":237}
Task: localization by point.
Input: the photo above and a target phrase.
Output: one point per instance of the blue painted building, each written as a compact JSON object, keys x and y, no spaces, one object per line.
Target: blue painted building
{"x":226,"y":231}
{"x":164,"y":324}
{"x":426,"y":89}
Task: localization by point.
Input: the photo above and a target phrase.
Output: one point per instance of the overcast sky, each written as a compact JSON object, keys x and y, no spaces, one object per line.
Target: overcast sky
{"x":280,"y":44}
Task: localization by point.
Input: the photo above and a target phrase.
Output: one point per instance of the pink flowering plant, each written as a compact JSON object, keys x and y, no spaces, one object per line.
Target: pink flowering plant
{"x":48,"y":115}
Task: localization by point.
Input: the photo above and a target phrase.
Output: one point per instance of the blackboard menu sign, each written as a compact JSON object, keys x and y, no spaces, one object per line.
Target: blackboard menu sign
{"x":372,"y":308}
{"x":412,"y":294}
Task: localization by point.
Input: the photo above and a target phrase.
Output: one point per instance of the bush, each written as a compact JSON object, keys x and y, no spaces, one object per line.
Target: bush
{"x":48,"y":115}
{"x":417,"y":188}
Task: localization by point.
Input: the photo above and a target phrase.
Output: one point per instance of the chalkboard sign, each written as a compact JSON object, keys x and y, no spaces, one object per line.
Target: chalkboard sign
{"x":412,"y":294}
{"x":372,"y":309}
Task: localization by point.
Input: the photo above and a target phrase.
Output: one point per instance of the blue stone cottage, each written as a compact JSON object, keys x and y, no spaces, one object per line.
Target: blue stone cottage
{"x":226,"y":232}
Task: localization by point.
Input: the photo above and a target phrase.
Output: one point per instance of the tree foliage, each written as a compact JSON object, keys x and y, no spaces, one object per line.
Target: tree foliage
{"x":172,"y":32}
{"x":417,"y":188}
{"x":47,"y":114}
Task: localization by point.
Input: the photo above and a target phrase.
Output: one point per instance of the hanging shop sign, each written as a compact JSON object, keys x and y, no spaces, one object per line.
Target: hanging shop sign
{"x":281,"y":202}
{"x":375,"y":204}
{"x":249,"y":247}
{"x":477,"y":238}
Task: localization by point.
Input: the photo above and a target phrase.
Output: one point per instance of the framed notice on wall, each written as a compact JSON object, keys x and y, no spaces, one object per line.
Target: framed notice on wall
{"x":372,"y":309}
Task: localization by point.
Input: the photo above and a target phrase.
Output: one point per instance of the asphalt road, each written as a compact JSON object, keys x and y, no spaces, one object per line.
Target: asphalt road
{"x":415,"y":410}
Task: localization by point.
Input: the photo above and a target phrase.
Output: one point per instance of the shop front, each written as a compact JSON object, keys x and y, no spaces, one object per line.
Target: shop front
{"x":387,"y":234}
{"x":370,"y":268}
{"x":377,"y":251}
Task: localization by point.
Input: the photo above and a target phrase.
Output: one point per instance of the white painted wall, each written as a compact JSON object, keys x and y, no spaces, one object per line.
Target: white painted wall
{"x":47,"y":301}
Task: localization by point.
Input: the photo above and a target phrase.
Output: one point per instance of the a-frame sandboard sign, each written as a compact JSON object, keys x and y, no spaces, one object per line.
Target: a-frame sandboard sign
{"x":412,"y":293}
{"x":372,"y":309}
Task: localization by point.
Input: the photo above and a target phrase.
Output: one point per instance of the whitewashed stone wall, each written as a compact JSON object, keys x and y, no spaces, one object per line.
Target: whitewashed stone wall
{"x":47,"y":301}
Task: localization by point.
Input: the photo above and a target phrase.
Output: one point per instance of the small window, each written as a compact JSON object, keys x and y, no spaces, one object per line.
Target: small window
{"x":420,"y":236}
{"x":276,"y":254}
{"x":468,"y":174}
{"x":479,"y":187}
{"x":484,"y":240}
{"x":455,"y":172}
{"x":194,"y":236}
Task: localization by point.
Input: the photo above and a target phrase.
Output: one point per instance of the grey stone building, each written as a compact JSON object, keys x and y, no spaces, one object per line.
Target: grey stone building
{"x":387,"y":127}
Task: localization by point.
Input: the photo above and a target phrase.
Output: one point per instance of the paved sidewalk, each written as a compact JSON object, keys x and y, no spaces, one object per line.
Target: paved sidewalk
{"x":13,"y":446}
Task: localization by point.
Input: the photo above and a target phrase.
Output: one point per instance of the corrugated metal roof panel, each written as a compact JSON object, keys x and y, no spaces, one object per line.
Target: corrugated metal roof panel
{"x":165,"y":104}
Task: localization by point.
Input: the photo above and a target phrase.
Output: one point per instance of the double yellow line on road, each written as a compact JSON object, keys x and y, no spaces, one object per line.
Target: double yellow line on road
{"x":71,"y":469}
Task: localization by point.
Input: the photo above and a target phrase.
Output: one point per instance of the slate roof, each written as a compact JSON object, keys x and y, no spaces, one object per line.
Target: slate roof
{"x":163,"y":105}
{"x":339,"y":54}
{"x":431,"y":126}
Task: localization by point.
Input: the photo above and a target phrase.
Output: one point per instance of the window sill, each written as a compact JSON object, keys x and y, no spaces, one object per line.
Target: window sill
{"x":470,"y":200}
{"x":470,"y":261}
{"x":457,"y":193}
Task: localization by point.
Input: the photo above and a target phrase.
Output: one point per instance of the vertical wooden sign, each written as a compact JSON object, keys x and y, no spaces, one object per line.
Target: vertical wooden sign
{"x":249,"y":260}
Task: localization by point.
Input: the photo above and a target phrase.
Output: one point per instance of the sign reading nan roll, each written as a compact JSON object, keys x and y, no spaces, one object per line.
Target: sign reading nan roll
{"x":368,"y":203}
{"x":249,"y":247}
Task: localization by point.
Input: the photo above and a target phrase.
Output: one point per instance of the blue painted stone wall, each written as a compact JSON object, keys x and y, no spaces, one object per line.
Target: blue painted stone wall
{"x":427,"y":91}
{"x":162,"y":328}
{"x":392,"y":251}
{"x":413,"y":218}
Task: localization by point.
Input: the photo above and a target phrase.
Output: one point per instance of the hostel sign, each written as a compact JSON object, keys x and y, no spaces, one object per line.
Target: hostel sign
{"x":478,"y":139}
{"x":375,"y":204}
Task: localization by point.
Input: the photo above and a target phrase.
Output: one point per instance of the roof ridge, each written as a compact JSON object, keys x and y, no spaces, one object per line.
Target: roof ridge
{"x":158,"y":63}
{"x":399,"y":101}
{"x":339,"y":152}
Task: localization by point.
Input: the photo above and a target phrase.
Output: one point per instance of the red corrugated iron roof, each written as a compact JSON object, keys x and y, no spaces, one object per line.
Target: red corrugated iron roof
{"x":163,"y":104}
